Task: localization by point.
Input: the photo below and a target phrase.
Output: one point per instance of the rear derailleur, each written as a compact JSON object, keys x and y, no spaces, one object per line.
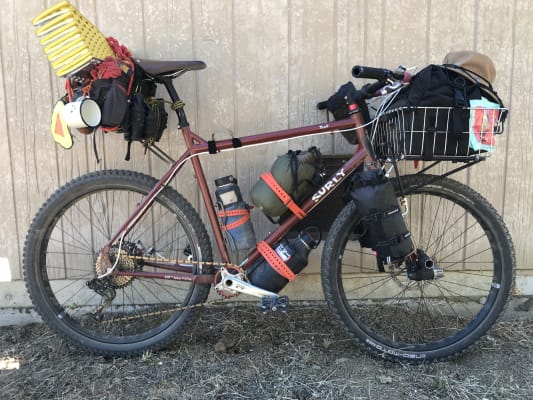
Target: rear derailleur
{"x":105,"y":289}
{"x":105,"y":283}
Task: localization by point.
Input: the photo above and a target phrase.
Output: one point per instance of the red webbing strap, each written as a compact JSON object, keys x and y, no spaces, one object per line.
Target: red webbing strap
{"x":234,"y":213}
{"x":271,"y":182}
{"x":270,"y":255}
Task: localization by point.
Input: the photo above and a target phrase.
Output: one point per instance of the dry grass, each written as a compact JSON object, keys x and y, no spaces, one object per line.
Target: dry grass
{"x":237,"y":353}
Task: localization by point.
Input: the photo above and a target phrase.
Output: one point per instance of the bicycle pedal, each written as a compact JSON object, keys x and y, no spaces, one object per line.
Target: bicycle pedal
{"x":270,"y":304}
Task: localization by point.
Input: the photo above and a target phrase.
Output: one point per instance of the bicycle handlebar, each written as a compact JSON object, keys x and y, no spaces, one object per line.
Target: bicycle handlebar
{"x":359,"y":71}
{"x":384,"y":77}
{"x":380,"y":74}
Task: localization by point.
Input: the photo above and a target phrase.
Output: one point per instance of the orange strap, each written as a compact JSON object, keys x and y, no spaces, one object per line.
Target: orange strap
{"x":234,"y":213}
{"x":270,"y":255}
{"x":271,"y":182}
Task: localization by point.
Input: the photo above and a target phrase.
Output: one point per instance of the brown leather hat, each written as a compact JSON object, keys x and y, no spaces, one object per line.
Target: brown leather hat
{"x":478,"y":63}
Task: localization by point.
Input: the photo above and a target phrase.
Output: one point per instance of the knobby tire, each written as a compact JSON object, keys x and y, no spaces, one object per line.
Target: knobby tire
{"x":402,"y":319}
{"x":61,"y":252}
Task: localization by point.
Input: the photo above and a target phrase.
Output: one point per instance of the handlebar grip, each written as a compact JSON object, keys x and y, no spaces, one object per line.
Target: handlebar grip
{"x":370,"y":73}
{"x":322,"y":105}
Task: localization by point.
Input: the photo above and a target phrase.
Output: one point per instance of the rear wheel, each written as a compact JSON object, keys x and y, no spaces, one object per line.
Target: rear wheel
{"x":441,"y":315}
{"x":119,"y":315}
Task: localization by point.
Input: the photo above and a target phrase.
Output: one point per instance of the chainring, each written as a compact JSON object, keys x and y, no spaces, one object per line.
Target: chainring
{"x":227,"y":293}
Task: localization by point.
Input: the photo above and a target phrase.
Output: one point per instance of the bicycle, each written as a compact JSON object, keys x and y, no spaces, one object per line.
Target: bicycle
{"x":119,"y":263}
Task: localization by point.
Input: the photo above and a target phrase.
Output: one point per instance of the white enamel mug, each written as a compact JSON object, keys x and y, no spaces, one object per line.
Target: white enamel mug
{"x":82,"y":113}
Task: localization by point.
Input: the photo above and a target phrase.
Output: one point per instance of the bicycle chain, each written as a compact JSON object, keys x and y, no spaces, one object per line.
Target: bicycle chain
{"x":181,"y":308}
{"x":172,"y":310}
{"x":177,"y":261}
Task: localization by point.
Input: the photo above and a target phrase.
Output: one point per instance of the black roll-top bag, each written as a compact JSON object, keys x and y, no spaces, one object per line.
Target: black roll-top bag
{"x":382,"y":227}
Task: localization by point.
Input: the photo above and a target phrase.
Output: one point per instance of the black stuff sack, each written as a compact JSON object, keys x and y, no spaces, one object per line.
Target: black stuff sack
{"x":116,"y":105}
{"x":339,"y":105}
{"x":113,"y":98}
{"x":382,"y":227}
{"x":148,"y":119}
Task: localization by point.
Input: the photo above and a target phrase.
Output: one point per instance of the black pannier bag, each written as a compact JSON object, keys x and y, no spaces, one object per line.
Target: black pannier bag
{"x":111,"y":95}
{"x":430,"y":119}
{"x":148,"y":117}
{"x":382,"y":227}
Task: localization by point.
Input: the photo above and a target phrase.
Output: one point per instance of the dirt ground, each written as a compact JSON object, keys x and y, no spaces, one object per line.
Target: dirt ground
{"x":238,"y":353}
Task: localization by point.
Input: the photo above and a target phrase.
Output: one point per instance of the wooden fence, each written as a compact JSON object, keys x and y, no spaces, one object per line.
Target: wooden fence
{"x":268,"y":63}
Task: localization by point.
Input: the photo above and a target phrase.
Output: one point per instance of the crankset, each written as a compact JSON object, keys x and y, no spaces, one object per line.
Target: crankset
{"x":231,"y":282}
{"x":234,"y":283}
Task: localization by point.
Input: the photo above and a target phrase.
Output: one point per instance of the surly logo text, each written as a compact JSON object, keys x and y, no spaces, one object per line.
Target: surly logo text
{"x":328,"y":186}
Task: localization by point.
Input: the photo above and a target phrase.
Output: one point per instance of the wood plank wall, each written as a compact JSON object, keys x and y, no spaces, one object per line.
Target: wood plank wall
{"x":269,"y":62}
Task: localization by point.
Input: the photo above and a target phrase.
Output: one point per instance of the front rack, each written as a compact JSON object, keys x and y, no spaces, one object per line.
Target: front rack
{"x":437,"y":133}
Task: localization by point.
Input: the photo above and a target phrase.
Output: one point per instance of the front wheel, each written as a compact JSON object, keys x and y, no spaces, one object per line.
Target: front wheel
{"x":423,"y":319}
{"x":120,"y":315}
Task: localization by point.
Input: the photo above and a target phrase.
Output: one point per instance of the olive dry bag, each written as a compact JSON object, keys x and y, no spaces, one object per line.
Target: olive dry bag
{"x":297,"y":172}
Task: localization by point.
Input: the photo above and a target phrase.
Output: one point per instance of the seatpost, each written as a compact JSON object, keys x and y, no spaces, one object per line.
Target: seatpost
{"x":177,"y":104}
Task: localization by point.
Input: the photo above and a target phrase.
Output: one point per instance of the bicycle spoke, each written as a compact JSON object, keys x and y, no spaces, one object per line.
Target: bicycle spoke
{"x":421,"y":313}
{"x":121,"y":312}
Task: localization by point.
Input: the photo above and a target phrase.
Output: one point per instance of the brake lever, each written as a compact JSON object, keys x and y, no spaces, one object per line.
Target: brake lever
{"x":390,"y":88}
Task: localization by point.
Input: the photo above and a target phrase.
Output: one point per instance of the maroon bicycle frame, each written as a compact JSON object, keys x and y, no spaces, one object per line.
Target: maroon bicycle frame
{"x":197,"y":146}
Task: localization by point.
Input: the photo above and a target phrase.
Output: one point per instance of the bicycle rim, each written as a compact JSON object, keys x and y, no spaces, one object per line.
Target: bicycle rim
{"x":136,"y":313}
{"x":430,"y":319}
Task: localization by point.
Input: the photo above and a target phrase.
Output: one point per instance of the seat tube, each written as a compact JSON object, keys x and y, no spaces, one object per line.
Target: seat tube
{"x":177,"y":104}
{"x":198,"y":170}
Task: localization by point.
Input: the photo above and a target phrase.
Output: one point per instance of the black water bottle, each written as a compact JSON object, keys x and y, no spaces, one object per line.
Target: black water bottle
{"x":294,"y":252}
{"x":234,"y":214}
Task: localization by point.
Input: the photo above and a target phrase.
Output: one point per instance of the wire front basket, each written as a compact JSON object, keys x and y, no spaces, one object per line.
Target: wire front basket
{"x":437,"y":133}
